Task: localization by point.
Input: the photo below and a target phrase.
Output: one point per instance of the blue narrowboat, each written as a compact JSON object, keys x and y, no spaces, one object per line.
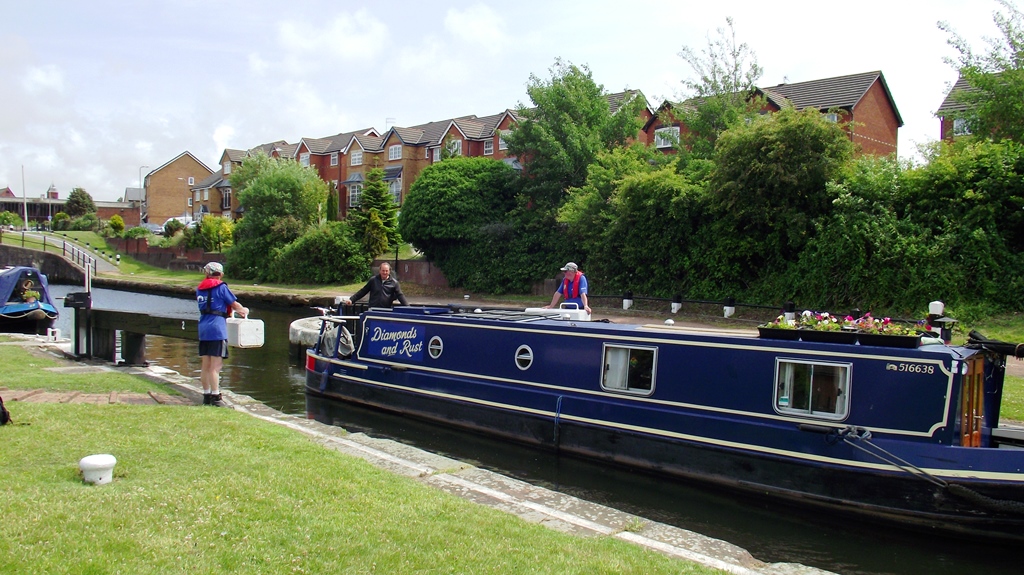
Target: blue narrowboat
{"x":26,"y":304}
{"x":905,"y":434}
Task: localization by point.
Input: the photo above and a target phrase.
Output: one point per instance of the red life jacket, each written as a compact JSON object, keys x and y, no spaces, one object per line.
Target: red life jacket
{"x":575,"y":286}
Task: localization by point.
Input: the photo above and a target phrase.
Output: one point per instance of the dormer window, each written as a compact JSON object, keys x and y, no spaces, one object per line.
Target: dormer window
{"x":357,"y":158}
{"x":395,"y":152}
{"x":226,"y":167}
{"x":960,"y":127}
{"x":304,"y":159}
{"x":334,"y":158}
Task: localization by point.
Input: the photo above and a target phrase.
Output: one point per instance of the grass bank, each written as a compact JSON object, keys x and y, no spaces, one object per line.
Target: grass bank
{"x":203,"y":490}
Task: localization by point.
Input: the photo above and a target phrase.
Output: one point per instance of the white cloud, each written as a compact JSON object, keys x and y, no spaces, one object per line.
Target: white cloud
{"x":352,"y":37}
{"x":222,"y":136}
{"x":478,"y":25}
{"x":43,"y":79}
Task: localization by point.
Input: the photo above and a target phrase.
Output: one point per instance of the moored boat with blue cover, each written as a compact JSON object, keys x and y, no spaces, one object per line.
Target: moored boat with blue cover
{"x":27,"y":307}
{"x":905,"y":434}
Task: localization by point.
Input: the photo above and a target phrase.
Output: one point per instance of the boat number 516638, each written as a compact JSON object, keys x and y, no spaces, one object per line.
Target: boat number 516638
{"x":910,"y":367}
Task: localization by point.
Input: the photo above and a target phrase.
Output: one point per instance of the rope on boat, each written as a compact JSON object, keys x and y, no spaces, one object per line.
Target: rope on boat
{"x":851,"y":435}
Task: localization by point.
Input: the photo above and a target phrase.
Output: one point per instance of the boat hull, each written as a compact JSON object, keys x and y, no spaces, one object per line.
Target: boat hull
{"x":722,"y":439}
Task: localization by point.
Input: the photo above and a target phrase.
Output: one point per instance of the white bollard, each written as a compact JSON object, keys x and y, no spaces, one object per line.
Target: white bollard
{"x":52,"y":334}
{"x":98,"y":469}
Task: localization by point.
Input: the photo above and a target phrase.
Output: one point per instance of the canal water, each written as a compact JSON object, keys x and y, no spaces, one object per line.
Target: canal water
{"x":772,"y":532}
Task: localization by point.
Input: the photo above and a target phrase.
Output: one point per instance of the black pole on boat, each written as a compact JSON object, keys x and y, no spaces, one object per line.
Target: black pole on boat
{"x":627,"y":300}
{"x":789,"y":310}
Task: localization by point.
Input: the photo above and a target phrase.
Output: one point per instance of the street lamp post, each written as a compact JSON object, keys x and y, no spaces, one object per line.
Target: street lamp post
{"x":142,"y":193}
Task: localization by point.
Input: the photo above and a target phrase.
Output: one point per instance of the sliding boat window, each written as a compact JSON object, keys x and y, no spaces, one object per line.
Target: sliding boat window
{"x":812,"y":388}
{"x":629,"y":369}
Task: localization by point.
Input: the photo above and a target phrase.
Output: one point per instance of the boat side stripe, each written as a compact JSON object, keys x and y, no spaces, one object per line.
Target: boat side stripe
{"x":946,"y":473}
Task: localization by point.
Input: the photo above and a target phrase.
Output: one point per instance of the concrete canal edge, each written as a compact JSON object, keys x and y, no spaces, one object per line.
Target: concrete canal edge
{"x":531,"y":503}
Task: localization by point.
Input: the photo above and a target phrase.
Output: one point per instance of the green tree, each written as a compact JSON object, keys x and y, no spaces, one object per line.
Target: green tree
{"x":327,"y":254}
{"x":455,"y":212}
{"x":116,"y":224}
{"x":79,"y":203}
{"x":996,"y":78}
{"x":10,"y":219}
{"x":768,"y":186}
{"x":376,"y":199}
{"x":216,"y":233}
{"x":560,"y":136}
{"x":172,"y":227}
{"x":332,"y":204}
{"x":721,"y":93}
{"x":61,"y":221}
{"x":282,"y":200}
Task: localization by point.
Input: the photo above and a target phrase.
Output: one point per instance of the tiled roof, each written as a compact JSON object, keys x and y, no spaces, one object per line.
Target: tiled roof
{"x":235,"y":155}
{"x":130,"y":194}
{"x":615,"y":101}
{"x":210,"y":181}
{"x":287,"y":150}
{"x":316,"y":145}
{"x":369,"y":143}
{"x":269,"y":147}
{"x":339,"y":141}
{"x":951,"y":104}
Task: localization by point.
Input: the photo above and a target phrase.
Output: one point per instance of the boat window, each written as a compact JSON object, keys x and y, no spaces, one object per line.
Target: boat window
{"x":524,"y":357}
{"x":435,"y":346}
{"x":629,"y":369}
{"x":816,"y":389}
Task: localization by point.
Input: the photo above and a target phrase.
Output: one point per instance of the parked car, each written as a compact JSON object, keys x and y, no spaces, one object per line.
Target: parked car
{"x":155,"y":229}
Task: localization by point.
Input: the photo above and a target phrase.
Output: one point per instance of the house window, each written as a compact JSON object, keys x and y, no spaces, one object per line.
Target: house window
{"x":334,"y":158}
{"x":357,"y":158}
{"x":629,"y":369}
{"x":502,"y":144}
{"x":395,"y":187}
{"x":304,"y":159}
{"x":197,"y":195}
{"x":666,"y":137}
{"x":832,"y":117}
{"x":488,"y":147}
{"x":226,"y":167}
{"x":812,"y":388}
{"x":191,"y":181}
{"x":395,"y":152}
{"x":437,"y":154}
{"x":960,"y":127}
{"x":455,"y":147}
{"x":190,"y":201}
{"x":206,"y":194}
{"x":225,"y":199}
{"x":355,"y":192}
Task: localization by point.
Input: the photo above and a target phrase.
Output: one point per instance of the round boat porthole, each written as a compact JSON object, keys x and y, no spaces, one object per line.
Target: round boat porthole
{"x":435,"y":346}
{"x":524,"y":357}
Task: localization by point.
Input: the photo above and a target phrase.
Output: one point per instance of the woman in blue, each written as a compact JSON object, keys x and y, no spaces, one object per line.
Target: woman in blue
{"x":216,"y":302}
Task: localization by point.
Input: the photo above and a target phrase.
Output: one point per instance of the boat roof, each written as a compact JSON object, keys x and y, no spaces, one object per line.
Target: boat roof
{"x":9,"y":279}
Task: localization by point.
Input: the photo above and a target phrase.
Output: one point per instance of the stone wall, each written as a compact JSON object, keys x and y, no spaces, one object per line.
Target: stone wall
{"x":55,"y":268}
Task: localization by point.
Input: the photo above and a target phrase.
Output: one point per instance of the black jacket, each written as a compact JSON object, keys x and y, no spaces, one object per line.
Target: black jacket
{"x":382,"y":293}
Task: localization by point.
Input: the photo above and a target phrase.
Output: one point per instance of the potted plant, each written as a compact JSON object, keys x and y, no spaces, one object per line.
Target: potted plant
{"x":29,"y":295}
{"x":781,"y":328}
{"x":887,"y":333}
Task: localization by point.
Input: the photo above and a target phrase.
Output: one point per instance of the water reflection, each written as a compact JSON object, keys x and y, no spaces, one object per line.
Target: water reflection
{"x":771,"y":532}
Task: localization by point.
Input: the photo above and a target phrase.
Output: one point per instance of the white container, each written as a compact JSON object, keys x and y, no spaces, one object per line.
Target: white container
{"x":245,"y":332}
{"x":98,"y":469}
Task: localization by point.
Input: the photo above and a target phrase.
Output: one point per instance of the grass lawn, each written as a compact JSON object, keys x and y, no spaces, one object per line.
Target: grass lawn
{"x":201,"y":490}
{"x":23,"y":369}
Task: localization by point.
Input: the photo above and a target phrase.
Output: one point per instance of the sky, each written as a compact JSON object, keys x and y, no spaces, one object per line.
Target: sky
{"x":90,"y":92}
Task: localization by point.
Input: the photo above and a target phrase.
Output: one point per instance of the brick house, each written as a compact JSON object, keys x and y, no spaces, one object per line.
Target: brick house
{"x":168,"y":189}
{"x":949,"y":127}
{"x":328,"y":156}
{"x":861,"y":103}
